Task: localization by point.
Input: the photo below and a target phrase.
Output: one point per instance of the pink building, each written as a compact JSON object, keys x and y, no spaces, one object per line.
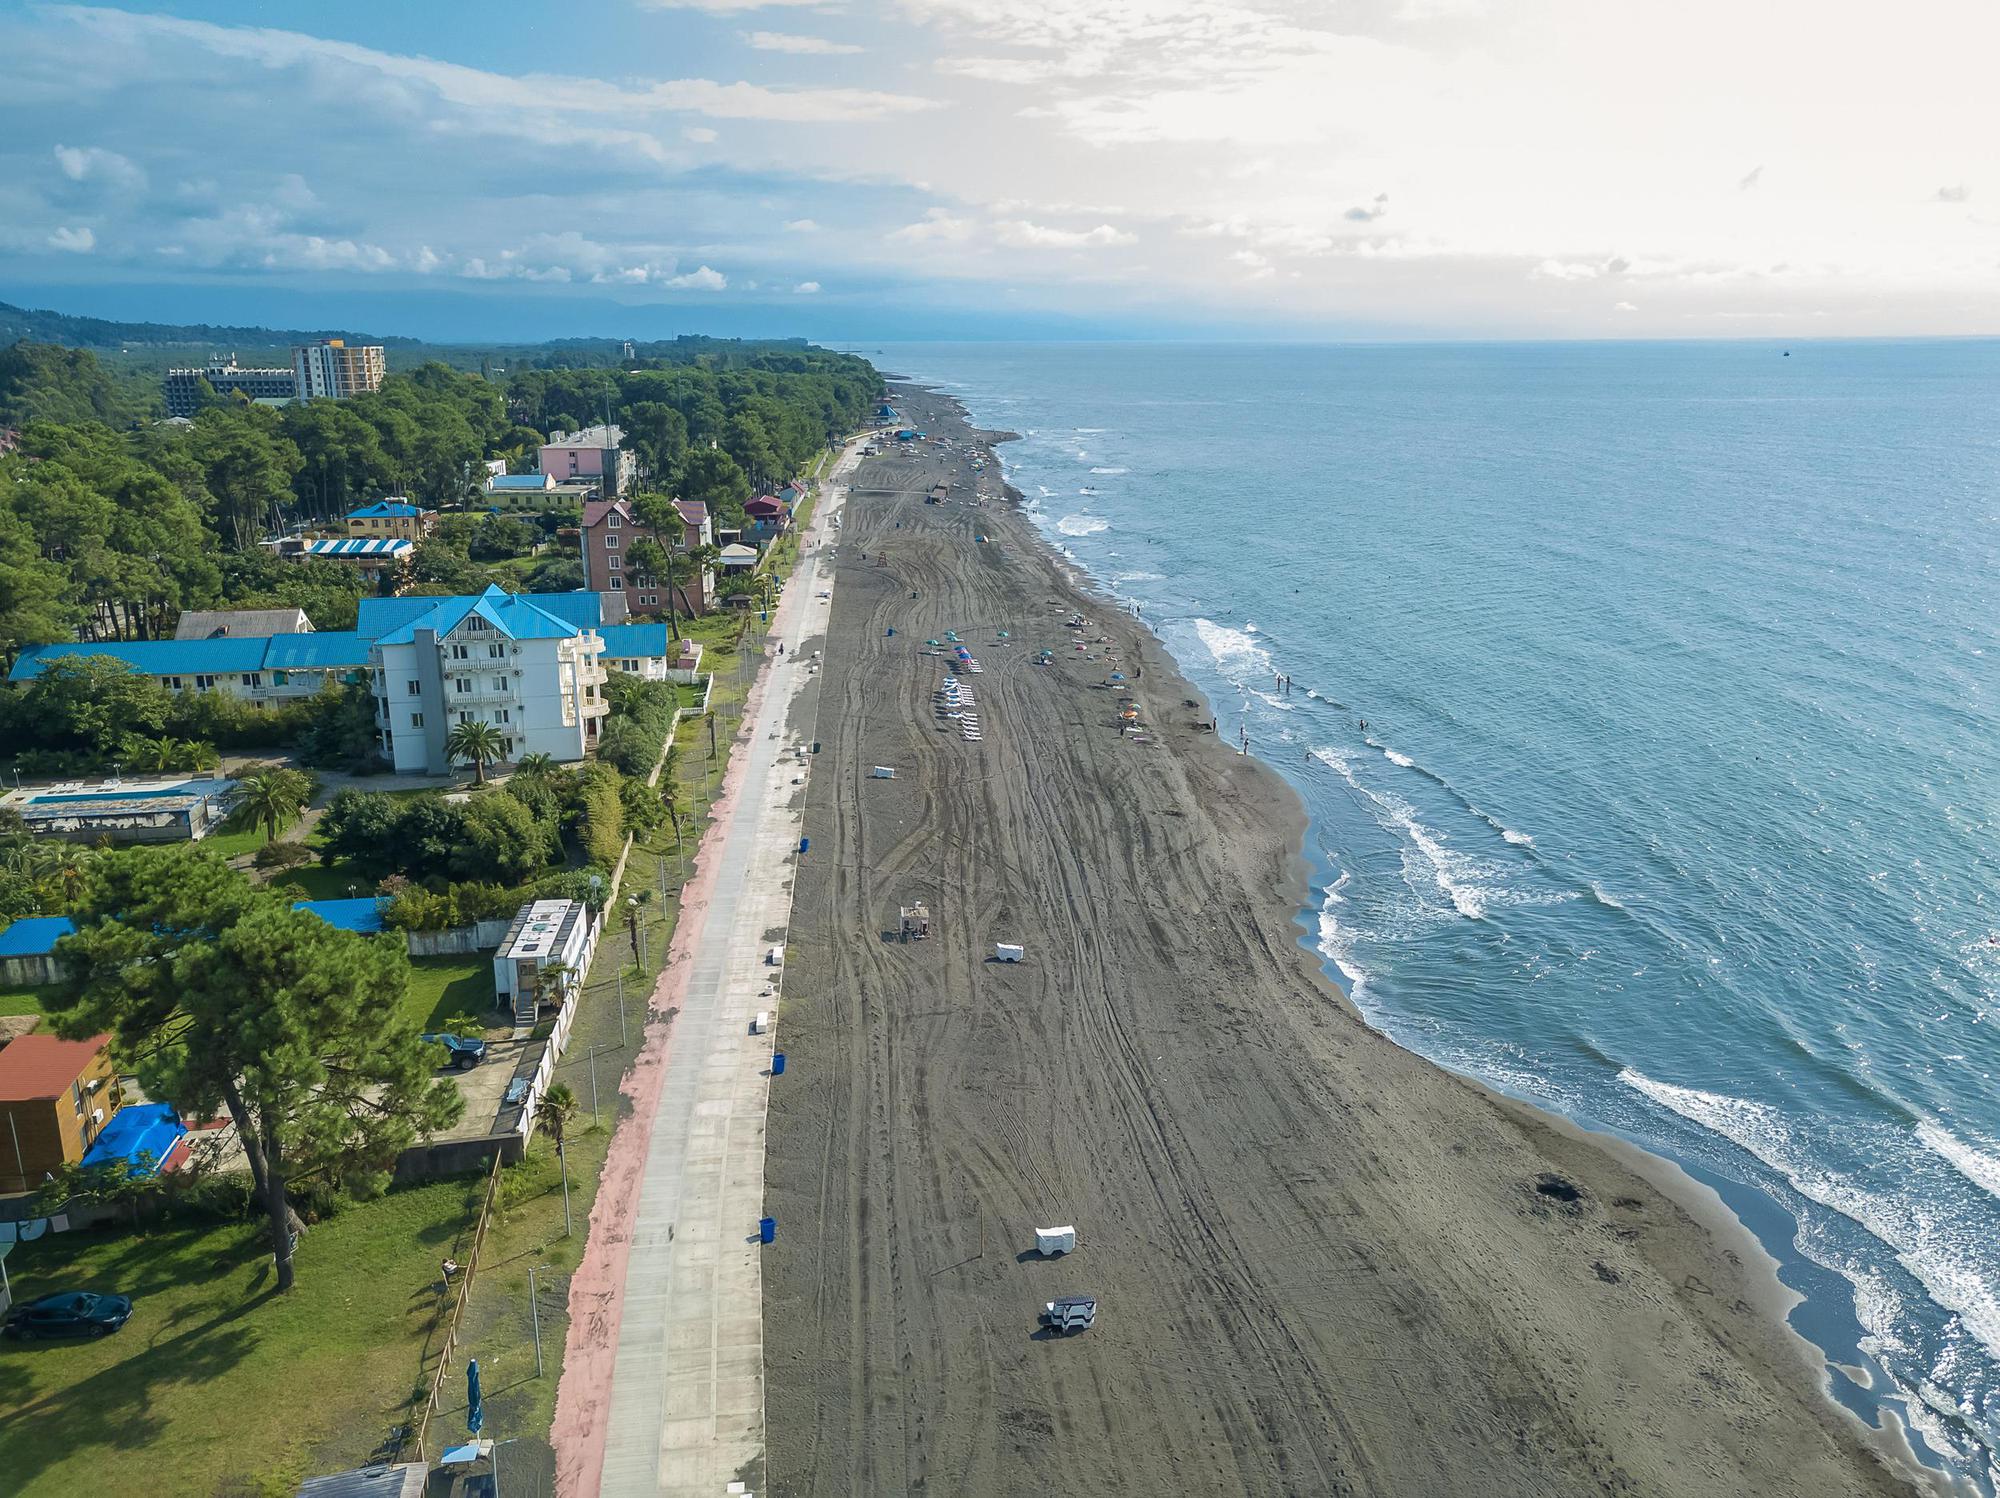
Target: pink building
{"x":592,"y":453}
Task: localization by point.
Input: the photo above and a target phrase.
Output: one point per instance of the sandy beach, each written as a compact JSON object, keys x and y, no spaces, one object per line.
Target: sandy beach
{"x":1324,"y":1265}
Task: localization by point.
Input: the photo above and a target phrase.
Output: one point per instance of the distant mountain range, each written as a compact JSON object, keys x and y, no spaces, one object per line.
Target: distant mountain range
{"x":43,"y":326}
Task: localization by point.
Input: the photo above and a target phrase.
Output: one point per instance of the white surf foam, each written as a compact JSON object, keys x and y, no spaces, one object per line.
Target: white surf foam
{"x":1978,"y":1167}
{"x":1598,"y":892}
{"x":1110,"y":470}
{"x":1398,"y":759}
{"x":1082,"y":525}
{"x":1937,"y":1253}
{"x":1337,"y":942}
{"x":1518,"y":839}
{"x":1233,"y":649}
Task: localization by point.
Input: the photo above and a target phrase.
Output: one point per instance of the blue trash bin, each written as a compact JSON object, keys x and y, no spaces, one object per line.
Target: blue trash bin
{"x":767,"y":1229}
{"x":805,"y":843}
{"x":777,"y":1063}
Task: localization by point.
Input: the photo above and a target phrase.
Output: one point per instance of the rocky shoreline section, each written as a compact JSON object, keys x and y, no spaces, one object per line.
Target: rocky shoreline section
{"x":1324,"y":1264}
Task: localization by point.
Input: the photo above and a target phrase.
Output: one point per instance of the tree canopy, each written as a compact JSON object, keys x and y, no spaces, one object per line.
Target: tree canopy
{"x":224,"y":998}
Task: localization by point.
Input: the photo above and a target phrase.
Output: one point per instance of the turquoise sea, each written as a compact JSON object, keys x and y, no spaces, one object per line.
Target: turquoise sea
{"x":1676,"y":806}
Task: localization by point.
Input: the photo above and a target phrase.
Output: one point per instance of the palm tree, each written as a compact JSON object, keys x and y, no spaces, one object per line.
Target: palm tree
{"x":552,"y":1112}
{"x":477,"y":743}
{"x":536,"y":766}
{"x":552,"y":983}
{"x":274,"y":797}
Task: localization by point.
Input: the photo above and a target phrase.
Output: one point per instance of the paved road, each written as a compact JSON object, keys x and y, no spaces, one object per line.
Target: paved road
{"x":687,"y":1388}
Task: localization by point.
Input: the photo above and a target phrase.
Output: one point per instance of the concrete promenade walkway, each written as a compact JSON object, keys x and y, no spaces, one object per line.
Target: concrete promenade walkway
{"x":686,"y":1407}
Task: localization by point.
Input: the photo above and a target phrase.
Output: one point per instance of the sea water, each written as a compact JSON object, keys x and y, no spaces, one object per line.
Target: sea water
{"x":1675,"y":805}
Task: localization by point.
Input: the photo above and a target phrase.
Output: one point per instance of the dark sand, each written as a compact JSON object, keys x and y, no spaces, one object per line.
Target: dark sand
{"x":1326,"y":1266}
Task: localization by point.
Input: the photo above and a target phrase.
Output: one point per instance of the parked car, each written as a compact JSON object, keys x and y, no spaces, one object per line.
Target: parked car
{"x":461,"y":1051}
{"x":69,"y":1313}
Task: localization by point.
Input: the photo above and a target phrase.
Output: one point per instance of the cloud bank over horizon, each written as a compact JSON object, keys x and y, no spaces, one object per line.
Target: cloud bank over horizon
{"x":1418,"y":167}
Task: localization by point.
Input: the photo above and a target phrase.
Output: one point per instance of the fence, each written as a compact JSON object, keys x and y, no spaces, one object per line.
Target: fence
{"x":457,"y":941}
{"x":470,"y":1269}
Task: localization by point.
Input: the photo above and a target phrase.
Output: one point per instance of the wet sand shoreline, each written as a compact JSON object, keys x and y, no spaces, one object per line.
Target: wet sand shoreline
{"x":1326,"y":1265}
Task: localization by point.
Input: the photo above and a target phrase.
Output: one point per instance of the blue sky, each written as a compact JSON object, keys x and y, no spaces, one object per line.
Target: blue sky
{"x":1009,"y":168}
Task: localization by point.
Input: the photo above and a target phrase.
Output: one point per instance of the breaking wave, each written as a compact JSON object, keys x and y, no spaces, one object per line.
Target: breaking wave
{"x":1082,"y":525}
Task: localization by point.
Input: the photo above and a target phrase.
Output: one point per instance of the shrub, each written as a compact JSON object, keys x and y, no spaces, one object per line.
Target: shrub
{"x":282,"y":856}
{"x":601,"y":816}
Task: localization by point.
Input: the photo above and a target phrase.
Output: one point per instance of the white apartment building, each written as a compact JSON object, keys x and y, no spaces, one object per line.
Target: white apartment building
{"x":499,"y":659}
{"x":533,"y":665}
{"x":335,"y":369}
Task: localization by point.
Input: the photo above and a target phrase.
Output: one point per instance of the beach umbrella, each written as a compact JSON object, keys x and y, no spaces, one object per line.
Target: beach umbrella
{"x":475,"y":1411}
{"x":1117,"y":675}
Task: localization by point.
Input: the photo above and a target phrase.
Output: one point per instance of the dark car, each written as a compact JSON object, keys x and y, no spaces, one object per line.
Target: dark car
{"x":461,"y":1051}
{"x":71,"y":1313}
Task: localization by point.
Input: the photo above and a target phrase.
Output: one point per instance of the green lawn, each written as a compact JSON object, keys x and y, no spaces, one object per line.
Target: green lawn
{"x":337,"y":883}
{"x":443,"y":986}
{"x":231,"y":844}
{"x":216,"y":1385}
{"x":21,"y":1000}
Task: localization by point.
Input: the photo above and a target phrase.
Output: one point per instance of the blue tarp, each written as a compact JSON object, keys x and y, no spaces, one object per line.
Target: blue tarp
{"x":363,"y":915}
{"x":144,"y":1130}
{"x":35,"y":935}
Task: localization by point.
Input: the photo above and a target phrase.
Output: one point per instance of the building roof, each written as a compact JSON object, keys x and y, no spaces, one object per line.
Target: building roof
{"x":378,"y":617}
{"x":694,"y":512}
{"x":736,"y":554}
{"x":541,"y":928}
{"x":535,"y":481}
{"x":595,"y":510}
{"x":362,"y":546}
{"x":649,"y":640}
{"x":330,"y":649}
{"x":209,"y":624}
{"x":597,"y":436}
{"x":515,"y":616}
{"x":34,"y":935}
{"x":154,"y":657}
{"x":44,"y":1066}
{"x":764,"y":504}
{"x":325,"y":650}
{"x":394,"y":509}
{"x":363,"y":915}
{"x":402,"y":1480}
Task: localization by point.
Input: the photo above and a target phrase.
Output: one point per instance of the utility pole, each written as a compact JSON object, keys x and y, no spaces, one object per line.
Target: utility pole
{"x":535,"y":1316}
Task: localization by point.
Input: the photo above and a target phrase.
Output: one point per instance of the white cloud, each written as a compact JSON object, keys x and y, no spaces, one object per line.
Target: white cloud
{"x":79,"y":241}
{"x":1623,"y":307}
{"x":1956,"y":194}
{"x":1750,"y":179}
{"x":785,"y":41}
{"x":703,"y":279}
{"x":806,"y":288}
{"x":1029,"y":236}
{"x":95,"y":164}
{"x":937,"y":223}
{"x":701,"y":135}
{"x":801,"y":226}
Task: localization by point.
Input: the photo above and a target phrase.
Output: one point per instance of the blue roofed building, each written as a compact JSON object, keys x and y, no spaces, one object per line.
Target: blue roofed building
{"x":530,"y":664}
{"x":27,"y":950}
{"x":391,"y":518}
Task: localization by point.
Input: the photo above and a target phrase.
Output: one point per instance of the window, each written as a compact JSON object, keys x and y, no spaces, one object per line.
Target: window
{"x":388,"y":742}
{"x":204,"y":683}
{"x":506,"y":748}
{"x":253,"y":678}
{"x":465,"y":717}
{"x":464,"y":683}
{"x":614,"y":519}
{"x":501,"y":716}
{"x":171,"y":683}
{"x":499,"y":683}
{"x":610,"y":543}
{"x":416,"y":690}
{"x":496,"y":652}
{"x":460,"y":653}
{"x":618,"y":582}
{"x":416,"y":720}
{"x":614,"y":563}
